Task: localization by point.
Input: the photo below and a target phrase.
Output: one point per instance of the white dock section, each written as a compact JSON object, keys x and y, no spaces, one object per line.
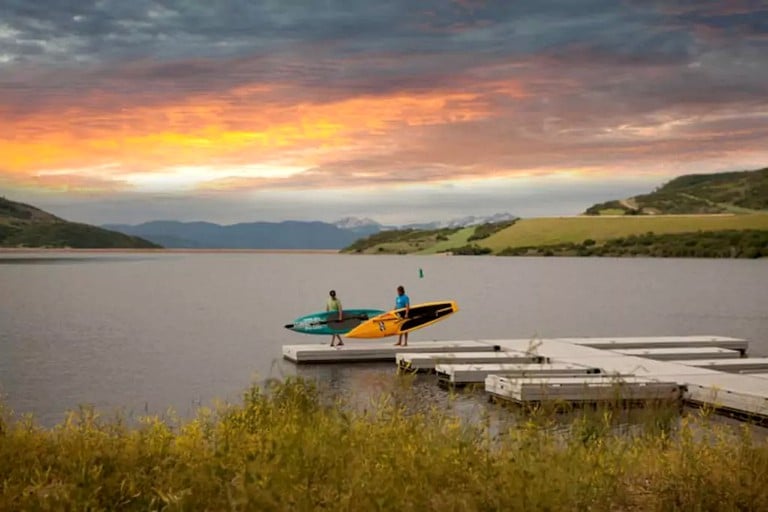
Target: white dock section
{"x":593,"y":388}
{"x":741,"y":365}
{"x":638,"y":360}
{"x":470,"y":373}
{"x":669,"y":354}
{"x":369,"y":351}
{"x":741,"y":393}
{"x":661,"y":342}
{"x":428,"y":361}
{"x":759,"y":375}
{"x":744,"y":394}
{"x":608,"y":361}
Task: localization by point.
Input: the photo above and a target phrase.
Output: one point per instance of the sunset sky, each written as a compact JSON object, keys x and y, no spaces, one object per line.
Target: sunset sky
{"x":403,"y":111}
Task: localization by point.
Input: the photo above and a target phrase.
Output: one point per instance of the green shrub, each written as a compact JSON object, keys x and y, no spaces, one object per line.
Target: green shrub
{"x":488,"y":229}
{"x":471,"y":250}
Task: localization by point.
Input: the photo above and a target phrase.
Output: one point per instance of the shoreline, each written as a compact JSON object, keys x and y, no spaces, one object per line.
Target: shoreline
{"x":53,"y":250}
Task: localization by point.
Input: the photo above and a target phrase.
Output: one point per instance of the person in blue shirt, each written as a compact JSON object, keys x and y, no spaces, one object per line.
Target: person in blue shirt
{"x":402,"y":301}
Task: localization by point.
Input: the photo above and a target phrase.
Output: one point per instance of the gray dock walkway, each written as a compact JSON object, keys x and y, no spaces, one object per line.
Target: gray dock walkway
{"x":672,"y":353}
{"x":422,"y":362}
{"x":593,"y":388}
{"x":661,"y":342}
{"x":372,"y":351}
{"x":640,"y":361}
{"x":471,"y":373}
{"x":741,"y":365}
{"x":740,"y":393}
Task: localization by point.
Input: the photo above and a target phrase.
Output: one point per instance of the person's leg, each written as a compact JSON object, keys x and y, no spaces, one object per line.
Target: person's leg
{"x":406,"y":340}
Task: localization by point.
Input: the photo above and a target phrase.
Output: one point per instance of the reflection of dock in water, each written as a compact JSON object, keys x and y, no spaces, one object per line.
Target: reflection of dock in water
{"x":712,"y":371}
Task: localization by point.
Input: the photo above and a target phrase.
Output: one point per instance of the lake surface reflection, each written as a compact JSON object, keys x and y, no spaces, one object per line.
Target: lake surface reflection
{"x":144,"y":332}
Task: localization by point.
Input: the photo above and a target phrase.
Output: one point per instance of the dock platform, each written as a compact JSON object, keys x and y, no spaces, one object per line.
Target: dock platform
{"x":472,"y":373}
{"x":672,"y":353}
{"x":426,"y":362}
{"x":661,"y":342}
{"x":373,"y":351}
{"x":741,"y":365}
{"x":705,"y":370}
{"x":595,"y":388}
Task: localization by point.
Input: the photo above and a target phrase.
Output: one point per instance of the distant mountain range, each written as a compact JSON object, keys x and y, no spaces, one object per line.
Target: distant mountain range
{"x":23,"y":225}
{"x":276,"y":235}
{"x":247,"y":235}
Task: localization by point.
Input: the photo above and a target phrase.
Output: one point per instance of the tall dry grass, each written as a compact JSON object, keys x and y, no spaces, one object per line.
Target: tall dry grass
{"x":286,"y":448}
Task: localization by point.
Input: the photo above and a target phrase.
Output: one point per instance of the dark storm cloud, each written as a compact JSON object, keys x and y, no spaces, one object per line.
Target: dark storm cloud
{"x":107,"y":30}
{"x":340,"y":47}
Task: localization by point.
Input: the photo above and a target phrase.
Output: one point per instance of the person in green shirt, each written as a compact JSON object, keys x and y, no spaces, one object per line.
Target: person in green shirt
{"x":334,"y":304}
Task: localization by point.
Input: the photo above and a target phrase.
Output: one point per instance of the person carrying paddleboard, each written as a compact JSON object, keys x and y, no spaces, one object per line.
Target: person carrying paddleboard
{"x":334,"y":304}
{"x":402,"y":301}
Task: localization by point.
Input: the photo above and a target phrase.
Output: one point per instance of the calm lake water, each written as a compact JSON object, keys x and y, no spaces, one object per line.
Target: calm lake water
{"x":147,"y":332}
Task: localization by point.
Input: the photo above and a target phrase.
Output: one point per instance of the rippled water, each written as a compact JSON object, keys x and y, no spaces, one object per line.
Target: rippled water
{"x":147,"y":332}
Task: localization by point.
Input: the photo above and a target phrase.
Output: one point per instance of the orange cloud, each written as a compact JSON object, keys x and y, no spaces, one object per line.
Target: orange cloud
{"x":245,"y":126}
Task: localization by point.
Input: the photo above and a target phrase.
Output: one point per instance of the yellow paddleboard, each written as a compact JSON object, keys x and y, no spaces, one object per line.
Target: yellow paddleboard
{"x":392,"y":322}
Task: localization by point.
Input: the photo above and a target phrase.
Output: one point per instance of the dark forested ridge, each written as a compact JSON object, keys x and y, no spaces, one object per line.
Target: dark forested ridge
{"x":23,"y":225}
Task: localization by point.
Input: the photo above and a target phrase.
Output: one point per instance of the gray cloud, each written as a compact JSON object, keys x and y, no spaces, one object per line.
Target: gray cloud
{"x":591,"y":73}
{"x":342,"y":47}
{"x":545,"y":198}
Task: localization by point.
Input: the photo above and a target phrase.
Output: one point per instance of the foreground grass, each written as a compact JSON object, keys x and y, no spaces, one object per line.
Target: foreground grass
{"x":285,"y":449}
{"x":559,"y":230}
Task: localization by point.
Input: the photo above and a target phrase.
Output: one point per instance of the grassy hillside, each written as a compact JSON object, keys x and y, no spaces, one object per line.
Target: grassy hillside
{"x":401,"y":241}
{"x":718,"y":209}
{"x":660,"y":235}
{"x":742,"y":243}
{"x":22,"y":225}
{"x":558,"y":230}
{"x":421,"y":241}
{"x":727,"y":192}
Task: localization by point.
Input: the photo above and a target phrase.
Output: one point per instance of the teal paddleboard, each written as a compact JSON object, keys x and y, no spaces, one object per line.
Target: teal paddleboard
{"x":327,"y":322}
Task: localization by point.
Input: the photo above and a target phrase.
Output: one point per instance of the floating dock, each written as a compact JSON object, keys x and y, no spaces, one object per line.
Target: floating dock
{"x":372,"y":351}
{"x":661,"y":342}
{"x":672,"y":353}
{"x":706,"y":370}
{"x":425,"y":362}
{"x":472,"y":373}
{"x":596,"y":388}
{"x":741,"y":365}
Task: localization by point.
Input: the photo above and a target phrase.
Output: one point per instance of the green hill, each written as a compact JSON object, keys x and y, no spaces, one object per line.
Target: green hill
{"x":725,"y":192}
{"x":696,"y":215}
{"x":22,"y":225}
{"x":544,"y":231}
{"x":424,"y":241}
